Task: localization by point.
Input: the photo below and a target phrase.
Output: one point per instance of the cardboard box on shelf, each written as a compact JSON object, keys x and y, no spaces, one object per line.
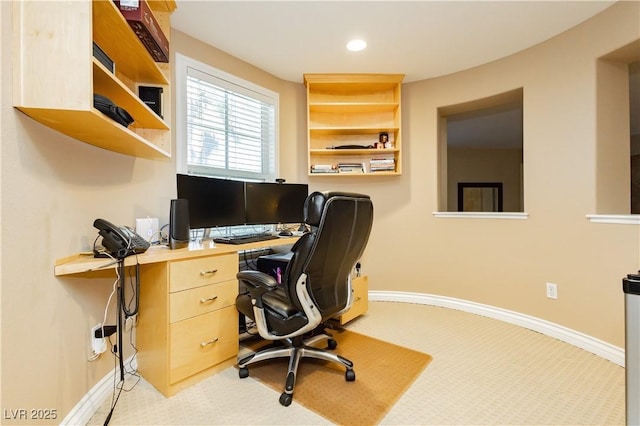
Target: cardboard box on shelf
{"x":144,"y":24}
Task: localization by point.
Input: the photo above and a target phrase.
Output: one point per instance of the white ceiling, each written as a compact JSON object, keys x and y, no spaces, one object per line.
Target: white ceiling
{"x":421,"y":39}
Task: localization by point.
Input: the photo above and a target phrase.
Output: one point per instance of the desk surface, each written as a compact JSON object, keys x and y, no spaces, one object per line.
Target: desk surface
{"x":87,"y":264}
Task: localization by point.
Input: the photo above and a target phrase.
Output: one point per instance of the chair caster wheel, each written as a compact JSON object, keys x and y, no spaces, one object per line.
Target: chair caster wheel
{"x":332,"y":344}
{"x":243,"y":372}
{"x":286,"y":399}
{"x":350,"y":376}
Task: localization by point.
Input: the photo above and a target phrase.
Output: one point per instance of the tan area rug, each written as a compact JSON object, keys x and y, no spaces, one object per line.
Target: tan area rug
{"x":384,"y":371}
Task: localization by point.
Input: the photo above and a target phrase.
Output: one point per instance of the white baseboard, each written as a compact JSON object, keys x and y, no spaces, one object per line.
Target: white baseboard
{"x":575,"y":338}
{"x":93,"y":400}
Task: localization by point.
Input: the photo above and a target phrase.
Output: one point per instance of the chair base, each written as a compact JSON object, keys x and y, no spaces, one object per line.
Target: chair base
{"x":295,"y":349}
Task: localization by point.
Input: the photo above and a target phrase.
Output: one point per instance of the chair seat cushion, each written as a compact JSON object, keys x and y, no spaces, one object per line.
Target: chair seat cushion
{"x":281,"y":316}
{"x":277,"y":303}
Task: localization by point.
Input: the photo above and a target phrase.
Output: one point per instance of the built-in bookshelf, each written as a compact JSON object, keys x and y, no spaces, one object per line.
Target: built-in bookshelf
{"x":353,"y":124}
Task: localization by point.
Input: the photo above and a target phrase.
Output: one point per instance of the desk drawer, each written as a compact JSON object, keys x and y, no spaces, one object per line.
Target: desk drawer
{"x":200,"y":300}
{"x":192,"y":273}
{"x":202,"y":342}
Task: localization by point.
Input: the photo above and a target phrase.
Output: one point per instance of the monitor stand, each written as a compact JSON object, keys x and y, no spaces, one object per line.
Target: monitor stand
{"x":202,"y":242}
{"x":206,"y":236}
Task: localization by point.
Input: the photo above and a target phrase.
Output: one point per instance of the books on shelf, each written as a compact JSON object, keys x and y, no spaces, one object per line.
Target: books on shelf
{"x":375,"y":165}
{"x":382,"y":165}
{"x":351,"y":167}
{"x":338,"y":168}
{"x":323,"y":168}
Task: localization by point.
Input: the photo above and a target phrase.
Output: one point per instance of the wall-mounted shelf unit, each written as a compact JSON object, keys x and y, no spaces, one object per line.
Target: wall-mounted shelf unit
{"x":353,"y":109}
{"x":56,"y":75}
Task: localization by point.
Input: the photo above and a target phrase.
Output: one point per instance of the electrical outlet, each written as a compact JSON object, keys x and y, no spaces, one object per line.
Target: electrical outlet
{"x":98,"y":344}
{"x":552,"y":291}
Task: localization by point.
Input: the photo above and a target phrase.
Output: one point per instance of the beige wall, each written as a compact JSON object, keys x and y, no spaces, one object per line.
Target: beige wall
{"x":506,"y":263}
{"x":485,"y":165}
{"x":613,"y":137}
{"x":53,"y":187}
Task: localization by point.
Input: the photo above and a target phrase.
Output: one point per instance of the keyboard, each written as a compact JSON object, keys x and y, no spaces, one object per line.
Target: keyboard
{"x":244,"y":239}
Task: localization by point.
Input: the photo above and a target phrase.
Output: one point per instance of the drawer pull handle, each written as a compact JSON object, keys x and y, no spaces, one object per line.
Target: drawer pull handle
{"x":208,"y":299}
{"x":212,"y":271}
{"x":358,"y":299}
{"x":203,"y":344}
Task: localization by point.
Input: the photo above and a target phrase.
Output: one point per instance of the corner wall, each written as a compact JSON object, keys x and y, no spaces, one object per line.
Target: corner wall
{"x":52,"y":189}
{"x":501,"y":262}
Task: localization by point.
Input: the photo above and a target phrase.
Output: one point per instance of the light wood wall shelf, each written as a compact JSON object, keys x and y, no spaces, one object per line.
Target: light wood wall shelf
{"x":56,"y":75}
{"x":353,"y":109}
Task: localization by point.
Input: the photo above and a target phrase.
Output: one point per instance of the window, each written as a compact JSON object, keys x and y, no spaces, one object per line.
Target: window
{"x":618,"y":131}
{"x":481,"y":155}
{"x":226,"y":127}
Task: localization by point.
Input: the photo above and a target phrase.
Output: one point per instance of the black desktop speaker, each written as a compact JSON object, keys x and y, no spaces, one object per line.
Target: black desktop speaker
{"x":179,"y":223}
{"x":152,"y":96}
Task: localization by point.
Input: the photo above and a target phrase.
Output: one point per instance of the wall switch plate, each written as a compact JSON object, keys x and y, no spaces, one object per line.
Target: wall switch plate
{"x":147,"y":228}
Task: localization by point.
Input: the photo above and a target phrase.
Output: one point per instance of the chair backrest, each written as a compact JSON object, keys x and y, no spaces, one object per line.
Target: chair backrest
{"x":340,"y":226}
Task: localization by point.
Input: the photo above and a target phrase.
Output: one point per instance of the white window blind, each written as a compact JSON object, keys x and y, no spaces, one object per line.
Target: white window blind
{"x":228,"y":125}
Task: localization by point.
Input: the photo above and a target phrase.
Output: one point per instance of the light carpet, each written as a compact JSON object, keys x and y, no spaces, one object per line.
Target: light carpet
{"x":484,"y":372}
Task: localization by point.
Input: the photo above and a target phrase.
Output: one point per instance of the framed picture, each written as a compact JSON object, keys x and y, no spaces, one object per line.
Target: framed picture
{"x":479,"y":196}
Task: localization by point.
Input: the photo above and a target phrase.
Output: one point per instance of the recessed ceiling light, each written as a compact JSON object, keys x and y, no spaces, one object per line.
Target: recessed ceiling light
{"x":356,"y":45}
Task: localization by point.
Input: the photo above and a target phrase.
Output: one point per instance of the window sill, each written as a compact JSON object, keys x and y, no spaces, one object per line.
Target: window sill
{"x":625,"y":219}
{"x":481,"y":215}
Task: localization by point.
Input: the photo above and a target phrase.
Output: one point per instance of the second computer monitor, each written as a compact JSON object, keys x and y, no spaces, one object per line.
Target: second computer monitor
{"x":272,"y":203}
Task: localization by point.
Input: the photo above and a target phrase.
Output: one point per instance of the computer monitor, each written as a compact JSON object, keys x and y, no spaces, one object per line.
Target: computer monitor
{"x":212,"y":202}
{"x":273,"y":203}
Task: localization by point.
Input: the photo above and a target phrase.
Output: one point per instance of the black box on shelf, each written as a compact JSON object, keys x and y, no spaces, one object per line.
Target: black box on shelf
{"x":152,"y":96}
{"x":146,"y":27}
{"x":103,"y":58}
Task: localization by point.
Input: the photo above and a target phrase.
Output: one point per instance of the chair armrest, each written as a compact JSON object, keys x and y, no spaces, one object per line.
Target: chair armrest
{"x":257,"y":279}
{"x":257,"y":283}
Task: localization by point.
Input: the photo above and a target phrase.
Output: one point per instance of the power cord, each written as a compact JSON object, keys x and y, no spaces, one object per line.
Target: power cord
{"x":94,"y":356}
{"x":164,"y":235}
{"x":135,"y":293}
{"x":249,"y":263}
{"x":117,"y":351}
{"x":119,"y":385}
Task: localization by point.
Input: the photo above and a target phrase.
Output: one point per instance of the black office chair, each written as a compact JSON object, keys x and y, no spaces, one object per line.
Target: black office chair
{"x":315,"y":287}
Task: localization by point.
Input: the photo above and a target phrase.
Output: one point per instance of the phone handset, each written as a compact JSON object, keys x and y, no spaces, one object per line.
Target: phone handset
{"x":120,"y":242}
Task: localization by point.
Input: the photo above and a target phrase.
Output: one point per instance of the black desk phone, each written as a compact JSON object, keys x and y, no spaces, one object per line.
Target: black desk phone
{"x":119,"y":241}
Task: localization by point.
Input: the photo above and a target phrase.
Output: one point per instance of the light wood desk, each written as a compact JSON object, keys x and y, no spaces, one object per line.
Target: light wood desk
{"x":187,"y":322}
{"x":86,"y":265}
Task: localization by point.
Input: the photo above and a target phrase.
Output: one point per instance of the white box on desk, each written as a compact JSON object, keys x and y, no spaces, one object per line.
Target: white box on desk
{"x":147,"y":228}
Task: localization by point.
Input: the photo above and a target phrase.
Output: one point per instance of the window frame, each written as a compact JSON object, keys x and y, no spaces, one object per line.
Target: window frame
{"x":227,"y":81}
{"x":513,"y":98}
